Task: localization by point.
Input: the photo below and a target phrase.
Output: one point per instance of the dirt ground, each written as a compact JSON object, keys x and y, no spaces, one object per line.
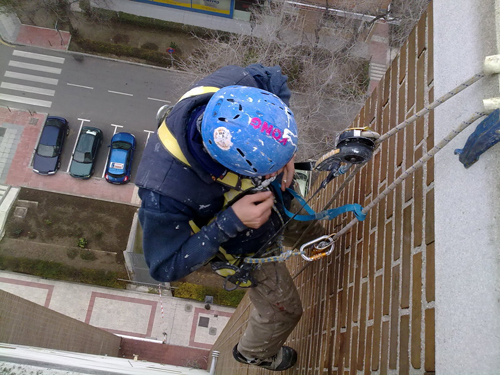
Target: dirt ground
{"x":49,"y":226}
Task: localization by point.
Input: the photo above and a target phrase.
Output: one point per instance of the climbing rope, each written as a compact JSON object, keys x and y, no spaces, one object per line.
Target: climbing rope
{"x":406,"y":174}
{"x":317,"y":254}
{"x":286,"y":255}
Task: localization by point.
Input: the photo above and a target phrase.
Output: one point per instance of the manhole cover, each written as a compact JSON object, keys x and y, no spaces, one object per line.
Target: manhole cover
{"x":212,"y":331}
{"x":33,"y":121}
{"x":20,"y":212}
{"x":203,"y":322}
{"x":188,"y":308}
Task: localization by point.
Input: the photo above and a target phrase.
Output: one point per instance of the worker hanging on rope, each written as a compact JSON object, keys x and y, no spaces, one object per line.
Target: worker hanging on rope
{"x":203,"y":180}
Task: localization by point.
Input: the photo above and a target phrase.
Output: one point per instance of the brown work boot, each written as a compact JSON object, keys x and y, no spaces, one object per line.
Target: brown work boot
{"x":284,"y":359}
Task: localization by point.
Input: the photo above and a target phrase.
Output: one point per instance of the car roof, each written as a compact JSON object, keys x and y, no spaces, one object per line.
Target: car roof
{"x":49,"y":135}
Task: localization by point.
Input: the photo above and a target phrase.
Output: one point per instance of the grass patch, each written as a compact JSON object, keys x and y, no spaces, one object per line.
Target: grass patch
{"x":198,"y":293}
{"x":59,"y":271}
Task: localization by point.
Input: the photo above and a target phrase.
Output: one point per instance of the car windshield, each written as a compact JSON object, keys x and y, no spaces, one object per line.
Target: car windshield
{"x":83,"y":149}
{"x":121,"y":145}
{"x":47,"y":151}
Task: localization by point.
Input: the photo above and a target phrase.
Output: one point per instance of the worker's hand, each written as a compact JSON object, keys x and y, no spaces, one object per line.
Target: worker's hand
{"x":288,"y":173}
{"x":254,"y":209}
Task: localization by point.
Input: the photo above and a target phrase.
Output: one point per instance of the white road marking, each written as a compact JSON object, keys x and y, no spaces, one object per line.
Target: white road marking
{"x":40,"y":68}
{"x":149,"y":133}
{"x":22,"y":99}
{"x":120,"y":93}
{"x":83,"y":87}
{"x":74,"y":147}
{"x":35,"y":90}
{"x":38,"y":56}
{"x":30,"y":77}
{"x":161,"y":100}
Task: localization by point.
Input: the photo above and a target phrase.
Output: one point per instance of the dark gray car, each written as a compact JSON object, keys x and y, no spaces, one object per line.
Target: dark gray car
{"x":83,"y":160}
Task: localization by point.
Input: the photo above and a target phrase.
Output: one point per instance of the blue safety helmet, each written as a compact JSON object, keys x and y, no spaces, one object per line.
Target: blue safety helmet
{"x":249,"y":131}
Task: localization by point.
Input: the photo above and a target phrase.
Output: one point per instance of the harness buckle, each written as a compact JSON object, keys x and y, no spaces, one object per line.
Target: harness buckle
{"x":320,"y":247}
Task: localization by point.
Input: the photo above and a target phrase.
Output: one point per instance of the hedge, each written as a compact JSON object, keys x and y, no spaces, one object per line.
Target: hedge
{"x":198,"y":293}
{"x":59,"y":271}
{"x":158,"y":58}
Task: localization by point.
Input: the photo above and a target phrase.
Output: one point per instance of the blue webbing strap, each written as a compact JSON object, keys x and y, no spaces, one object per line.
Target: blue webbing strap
{"x":332,"y":213}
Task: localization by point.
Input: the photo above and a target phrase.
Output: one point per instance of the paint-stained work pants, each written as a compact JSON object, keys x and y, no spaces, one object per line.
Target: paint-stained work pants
{"x":276,"y":303}
{"x":277,"y":310}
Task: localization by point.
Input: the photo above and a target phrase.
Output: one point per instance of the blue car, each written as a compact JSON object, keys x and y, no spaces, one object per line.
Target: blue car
{"x":47,"y":158}
{"x":121,"y":154}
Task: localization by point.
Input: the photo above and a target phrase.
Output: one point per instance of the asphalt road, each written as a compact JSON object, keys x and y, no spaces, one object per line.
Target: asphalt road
{"x":89,"y":91}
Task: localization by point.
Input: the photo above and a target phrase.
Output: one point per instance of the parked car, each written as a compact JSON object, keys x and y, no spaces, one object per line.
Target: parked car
{"x":47,"y":159}
{"x":87,"y":146}
{"x":121,"y":154}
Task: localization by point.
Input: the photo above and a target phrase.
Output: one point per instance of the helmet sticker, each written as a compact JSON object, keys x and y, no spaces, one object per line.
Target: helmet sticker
{"x":222,"y":138}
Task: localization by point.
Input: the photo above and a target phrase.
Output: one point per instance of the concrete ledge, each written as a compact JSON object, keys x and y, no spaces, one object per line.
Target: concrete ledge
{"x":5,"y":207}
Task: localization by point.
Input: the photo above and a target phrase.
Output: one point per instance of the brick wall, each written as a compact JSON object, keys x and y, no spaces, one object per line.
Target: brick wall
{"x":23,"y":322}
{"x":370,"y":307}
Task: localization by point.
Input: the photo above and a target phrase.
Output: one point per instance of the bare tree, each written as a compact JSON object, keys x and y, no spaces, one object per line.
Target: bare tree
{"x":408,"y":13}
{"x":317,"y":50}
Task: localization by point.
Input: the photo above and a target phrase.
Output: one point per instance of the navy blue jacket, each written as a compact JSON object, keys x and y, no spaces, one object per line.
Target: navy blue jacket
{"x":173,"y":194}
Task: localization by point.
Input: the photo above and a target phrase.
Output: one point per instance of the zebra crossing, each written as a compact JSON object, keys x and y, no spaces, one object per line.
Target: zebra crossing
{"x":31,"y":78}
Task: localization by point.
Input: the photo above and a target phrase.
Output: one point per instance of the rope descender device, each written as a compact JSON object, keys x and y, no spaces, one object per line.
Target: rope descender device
{"x":352,"y":146}
{"x":321,"y":247}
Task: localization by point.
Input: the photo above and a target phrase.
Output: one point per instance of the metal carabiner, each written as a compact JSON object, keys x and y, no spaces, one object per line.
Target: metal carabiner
{"x":320,"y":246}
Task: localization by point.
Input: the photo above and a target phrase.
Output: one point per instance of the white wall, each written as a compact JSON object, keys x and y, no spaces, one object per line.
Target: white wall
{"x":467,"y":201}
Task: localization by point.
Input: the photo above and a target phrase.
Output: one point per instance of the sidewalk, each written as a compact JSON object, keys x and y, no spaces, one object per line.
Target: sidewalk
{"x":134,"y":313}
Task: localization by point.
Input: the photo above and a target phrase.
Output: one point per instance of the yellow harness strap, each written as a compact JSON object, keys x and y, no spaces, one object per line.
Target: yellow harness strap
{"x":200,"y":90}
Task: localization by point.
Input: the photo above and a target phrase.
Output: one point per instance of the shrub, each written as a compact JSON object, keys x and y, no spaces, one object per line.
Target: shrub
{"x":198,"y":293}
{"x":121,"y":39}
{"x":16,"y":233}
{"x":87,"y":255}
{"x":154,"y":57}
{"x":150,"y":46}
{"x":72,"y":253}
{"x":82,"y":242}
